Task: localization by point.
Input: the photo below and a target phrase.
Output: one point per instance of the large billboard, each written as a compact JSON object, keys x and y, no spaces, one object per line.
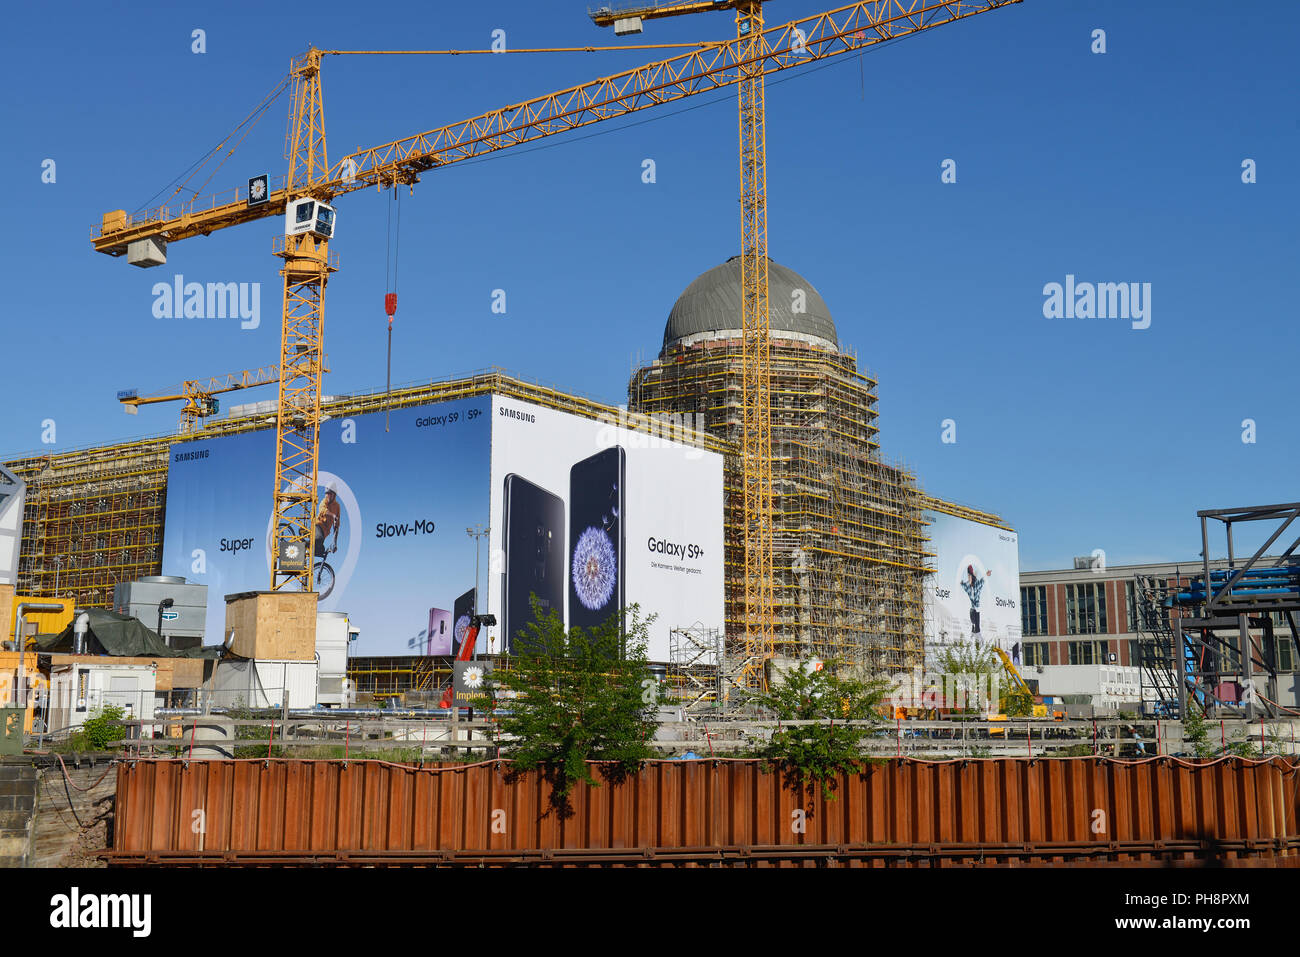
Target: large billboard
{"x":591,"y":515}
{"x":974,"y":593}
{"x":587,"y":516}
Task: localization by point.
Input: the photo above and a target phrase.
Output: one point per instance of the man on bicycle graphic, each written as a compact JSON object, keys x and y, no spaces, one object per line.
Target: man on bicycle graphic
{"x":329,"y":518}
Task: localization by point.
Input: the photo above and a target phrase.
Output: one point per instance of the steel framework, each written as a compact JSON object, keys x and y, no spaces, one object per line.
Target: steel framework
{"x":1216,"y":641}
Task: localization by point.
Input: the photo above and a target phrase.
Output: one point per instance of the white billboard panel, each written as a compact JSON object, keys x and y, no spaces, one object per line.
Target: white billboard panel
{"x":591,"y":516}
{"x":974,"y":593}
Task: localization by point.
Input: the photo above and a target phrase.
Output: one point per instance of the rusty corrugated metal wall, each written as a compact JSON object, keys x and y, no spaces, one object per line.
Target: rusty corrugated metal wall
{"x":898,"y":812}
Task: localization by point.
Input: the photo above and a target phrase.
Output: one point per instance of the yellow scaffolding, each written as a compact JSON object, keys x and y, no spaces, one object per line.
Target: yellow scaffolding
{"x":849,"y":536}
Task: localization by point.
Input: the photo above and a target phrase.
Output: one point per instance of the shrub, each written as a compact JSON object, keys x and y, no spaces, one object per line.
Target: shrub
{"x":101,"y":729}
{"x":578,"y":696}
{"x":817,"y":754}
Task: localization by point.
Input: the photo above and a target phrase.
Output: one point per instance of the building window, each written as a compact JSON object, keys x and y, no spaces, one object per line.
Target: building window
{"x":1033,"y":610}
{"x":1285,"y":654}
{"x":1083,"y":652}
{"x":1225,"y":654}
{"x":1130,"y":604}
{"x":1085,"y":609}
{"x":1035,"y":654}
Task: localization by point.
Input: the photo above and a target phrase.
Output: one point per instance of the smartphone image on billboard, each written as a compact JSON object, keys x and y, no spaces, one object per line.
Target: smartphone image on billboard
{"x":460,"y":612}
{"x":440,"y":632}
{"x":533,"y":535}
{"x":596,"y":538}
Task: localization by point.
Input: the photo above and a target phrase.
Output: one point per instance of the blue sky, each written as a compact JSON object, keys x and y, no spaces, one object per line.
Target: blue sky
{"x":1115,"y":167}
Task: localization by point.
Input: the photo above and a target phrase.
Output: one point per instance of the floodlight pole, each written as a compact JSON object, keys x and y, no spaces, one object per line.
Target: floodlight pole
{"x":476,"y":532}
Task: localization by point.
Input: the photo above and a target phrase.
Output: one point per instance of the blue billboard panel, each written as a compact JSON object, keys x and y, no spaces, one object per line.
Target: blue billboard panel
{"x":392,"y":512}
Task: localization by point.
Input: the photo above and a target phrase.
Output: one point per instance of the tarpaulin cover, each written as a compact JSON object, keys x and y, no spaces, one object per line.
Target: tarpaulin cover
{"x":121,"y":636}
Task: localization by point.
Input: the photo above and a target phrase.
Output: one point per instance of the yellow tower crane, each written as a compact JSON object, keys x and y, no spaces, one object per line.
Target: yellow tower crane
{"x":197,"y":394}
{"x":886,"y":20}
{"x":305,"y":197}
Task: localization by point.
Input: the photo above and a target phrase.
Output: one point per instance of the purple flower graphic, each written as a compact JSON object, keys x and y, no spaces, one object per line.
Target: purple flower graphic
{"x":462,"y":626}
{"x":595,"y":568}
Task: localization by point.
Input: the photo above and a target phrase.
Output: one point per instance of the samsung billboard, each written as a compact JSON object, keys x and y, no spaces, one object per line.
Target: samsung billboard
{"x":586,"y":515}
{"x":974,"y":593}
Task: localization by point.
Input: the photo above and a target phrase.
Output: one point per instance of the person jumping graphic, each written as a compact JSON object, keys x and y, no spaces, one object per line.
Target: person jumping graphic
{"x":973,"y":586}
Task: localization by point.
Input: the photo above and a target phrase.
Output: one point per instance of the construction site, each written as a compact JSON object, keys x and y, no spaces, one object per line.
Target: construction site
{"x":323,"y":643}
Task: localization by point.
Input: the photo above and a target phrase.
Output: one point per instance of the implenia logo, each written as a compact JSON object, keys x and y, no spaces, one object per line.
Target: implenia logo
{"x":259,"y":189}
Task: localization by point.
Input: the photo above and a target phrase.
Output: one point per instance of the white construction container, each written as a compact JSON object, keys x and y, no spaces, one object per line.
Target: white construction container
{"x":261,"y":684}
{"x":78,"y":691}
{"x":333,"y":632}
{"x":1111,"y":686}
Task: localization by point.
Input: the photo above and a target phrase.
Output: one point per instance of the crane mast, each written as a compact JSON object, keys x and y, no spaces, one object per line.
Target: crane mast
{"x":306,"y":271}
{"x":756,"y":369}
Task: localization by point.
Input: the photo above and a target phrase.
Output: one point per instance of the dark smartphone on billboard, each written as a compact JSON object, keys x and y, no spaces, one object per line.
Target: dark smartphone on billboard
{"x":596,"y":538}
{"x":440,"y":632}
{"x":533,"y":534}
{"x":460,"y":612}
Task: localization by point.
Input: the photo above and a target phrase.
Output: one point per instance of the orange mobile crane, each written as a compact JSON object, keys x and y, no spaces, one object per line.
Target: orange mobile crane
{"x":305,"y":197}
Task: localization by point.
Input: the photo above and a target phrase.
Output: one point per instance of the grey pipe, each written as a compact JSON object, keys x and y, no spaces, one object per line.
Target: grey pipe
{"x":23,"y":608}
{"x":321,"y":713}
{"x":79,"y":629}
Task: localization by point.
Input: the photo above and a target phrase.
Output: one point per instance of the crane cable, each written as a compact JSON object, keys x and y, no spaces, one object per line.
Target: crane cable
{"x":392,"y":251}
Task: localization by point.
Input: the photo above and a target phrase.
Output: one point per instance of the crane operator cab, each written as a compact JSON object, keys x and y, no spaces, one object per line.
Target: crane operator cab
{"x":309,"y":216}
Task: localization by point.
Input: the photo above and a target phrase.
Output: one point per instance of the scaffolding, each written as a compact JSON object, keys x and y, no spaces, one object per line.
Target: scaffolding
{"x":91,"y":520}
{"x":402,"y":678}
{"x":1154,"y":614}
{"x":850,"y":555}
{"x":696,"y":665}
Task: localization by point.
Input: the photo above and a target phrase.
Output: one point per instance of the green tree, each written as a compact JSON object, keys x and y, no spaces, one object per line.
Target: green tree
{"x":571,"y":697}
{"x":817,"y":754}
{"x":1196,"y":732}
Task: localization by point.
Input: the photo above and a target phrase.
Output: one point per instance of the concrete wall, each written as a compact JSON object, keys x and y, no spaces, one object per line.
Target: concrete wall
{"x":17,"y":810}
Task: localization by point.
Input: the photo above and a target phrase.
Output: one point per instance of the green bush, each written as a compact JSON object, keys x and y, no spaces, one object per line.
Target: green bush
{"x":818,"y":754}
{"x":252,"y":733}
{"x":1074,"y":751}
{"x":101,"y":729}
{"x":577,"y":696}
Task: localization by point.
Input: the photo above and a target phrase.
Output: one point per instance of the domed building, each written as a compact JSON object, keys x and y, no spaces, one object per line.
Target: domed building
{"x":849,"y":548}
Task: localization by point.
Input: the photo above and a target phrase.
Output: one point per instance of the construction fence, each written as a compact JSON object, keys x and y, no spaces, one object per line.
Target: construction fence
{"x":1088,"y":811}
